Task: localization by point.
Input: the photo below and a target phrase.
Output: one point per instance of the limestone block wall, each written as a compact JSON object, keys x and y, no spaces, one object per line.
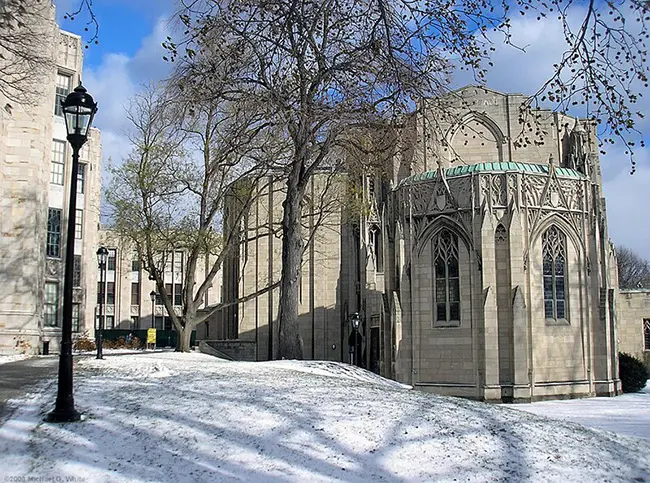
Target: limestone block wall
{"x":559,"y":346}
{"x":443,"y":355}
{"x":320,"y":291}
{"x":632,"y":308}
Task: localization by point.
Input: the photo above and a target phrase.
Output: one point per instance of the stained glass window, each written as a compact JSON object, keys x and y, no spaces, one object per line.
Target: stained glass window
{"x":554,"y":269}
{"x":446,"y":278}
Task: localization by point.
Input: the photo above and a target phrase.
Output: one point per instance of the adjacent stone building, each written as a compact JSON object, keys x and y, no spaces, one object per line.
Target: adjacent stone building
{"x":633,"y":322}
{"x":35,"y":166}
{"x":480,"y":262}
{"x":127,"y":303}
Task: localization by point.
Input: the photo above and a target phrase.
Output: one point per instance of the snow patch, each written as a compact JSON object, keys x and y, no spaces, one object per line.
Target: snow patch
{"x":209,"y":420}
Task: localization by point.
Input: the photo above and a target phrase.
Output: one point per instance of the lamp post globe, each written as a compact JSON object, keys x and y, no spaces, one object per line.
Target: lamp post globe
{"x":356,"y":320}
{"x":102,"y":258}
{"x":79,"y":109}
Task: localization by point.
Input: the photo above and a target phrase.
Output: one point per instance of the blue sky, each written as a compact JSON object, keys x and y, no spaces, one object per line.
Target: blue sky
{"x":129,"y":55}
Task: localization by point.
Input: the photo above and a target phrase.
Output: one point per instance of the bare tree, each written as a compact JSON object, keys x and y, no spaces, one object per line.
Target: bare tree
{"x":326,"y":67}
{"x":169,"y":195}
{"x":633,"y":270}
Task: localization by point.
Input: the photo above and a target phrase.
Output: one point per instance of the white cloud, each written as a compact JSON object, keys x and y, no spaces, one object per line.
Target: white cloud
{"x":115,"y":81}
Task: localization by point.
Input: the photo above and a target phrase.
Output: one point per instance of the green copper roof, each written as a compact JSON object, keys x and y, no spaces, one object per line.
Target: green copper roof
{"x":500,"y":167}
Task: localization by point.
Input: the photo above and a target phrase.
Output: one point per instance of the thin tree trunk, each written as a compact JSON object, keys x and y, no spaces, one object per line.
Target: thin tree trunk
{"x":291,"y":343}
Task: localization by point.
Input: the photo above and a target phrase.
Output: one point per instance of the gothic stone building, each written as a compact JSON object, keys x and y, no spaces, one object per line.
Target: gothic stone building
{"x":481,"y":268}
{"x":35,"y":167}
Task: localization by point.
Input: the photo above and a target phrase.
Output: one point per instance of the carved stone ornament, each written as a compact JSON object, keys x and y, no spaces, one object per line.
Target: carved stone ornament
{"x":441,"y":201}
{"x":53,"y":268}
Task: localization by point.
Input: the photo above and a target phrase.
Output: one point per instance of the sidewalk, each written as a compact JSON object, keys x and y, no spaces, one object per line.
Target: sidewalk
{"x":17,"y":378}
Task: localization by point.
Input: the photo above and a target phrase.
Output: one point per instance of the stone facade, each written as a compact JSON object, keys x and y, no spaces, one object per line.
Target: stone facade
{"x":127,"y":303}
{"x":633,"y":322}
{"x":34,"y":189}
{"x":324,"y":280}
{"x":480,"y":263}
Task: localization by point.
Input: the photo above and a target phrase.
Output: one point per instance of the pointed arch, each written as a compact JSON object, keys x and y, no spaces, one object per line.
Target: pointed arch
{"x":500,"y":234}
{"x":482,"y":125}
{"x":442,"y":222}
{"x":563,"y":225}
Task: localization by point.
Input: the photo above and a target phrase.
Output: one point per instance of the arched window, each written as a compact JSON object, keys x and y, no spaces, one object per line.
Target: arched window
{"x":554,"y":266}
{"x":377,"y":247}
{"x":500,"y":235}
{"x":446,"y":284}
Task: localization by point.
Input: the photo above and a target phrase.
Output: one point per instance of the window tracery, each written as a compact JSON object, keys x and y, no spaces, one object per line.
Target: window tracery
{"x":446,"y":284}
{"x":554,"y":269}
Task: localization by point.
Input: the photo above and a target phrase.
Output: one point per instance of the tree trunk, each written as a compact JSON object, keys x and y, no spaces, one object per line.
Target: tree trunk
{"x":184,"y":338}
{"x":291,"y":343}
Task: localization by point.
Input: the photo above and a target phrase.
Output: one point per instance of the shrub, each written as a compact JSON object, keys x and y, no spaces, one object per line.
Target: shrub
{"x":84,"y":343}
{"x":633,"y":372}
{"x":134,"y":343}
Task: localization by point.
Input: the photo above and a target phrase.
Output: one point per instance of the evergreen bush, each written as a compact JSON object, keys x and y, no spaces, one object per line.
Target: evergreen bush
{"x":633,"y":372}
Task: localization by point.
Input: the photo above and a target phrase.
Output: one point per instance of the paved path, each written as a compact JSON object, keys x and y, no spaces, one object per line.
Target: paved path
{"x":17,"y":378}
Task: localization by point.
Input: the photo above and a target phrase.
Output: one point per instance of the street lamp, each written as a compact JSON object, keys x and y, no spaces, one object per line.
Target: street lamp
{"x":79,"y":108}
{"x":152,"y":296}
{"x":355,"y":321}
{"x":102,"y":257}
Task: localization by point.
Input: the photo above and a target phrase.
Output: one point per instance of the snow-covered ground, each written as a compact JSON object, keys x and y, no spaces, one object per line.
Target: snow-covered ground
{"x":627,"y":414}
{"x":193,"y":418}
{"x":12,"y":358}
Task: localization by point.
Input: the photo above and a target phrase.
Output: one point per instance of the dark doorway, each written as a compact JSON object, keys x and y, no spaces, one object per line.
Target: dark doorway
{"x":374,"y":349}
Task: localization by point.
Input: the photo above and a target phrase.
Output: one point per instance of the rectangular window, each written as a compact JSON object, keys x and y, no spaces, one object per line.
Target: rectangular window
{"x":51,"y":309}
{"x":135,"y":293}
{"x":178,"y":264}
{"x":79,"y":224}
{"x":159,"y":322}
{"x":62,"y":91}
{"x":75,"y":317}
{"x":109,"y":322}
{"x":54,"y":233}
{"x":646,"y":334}
{"x":168,"y":288}
{"x":81,"y":178}
{"x":112,"y":255}
{"x":57,"y":170}
{"x":135,"y":322}
{"x":76,"y":271}
{"x":110,"y":293}
{"x":158,"y":299}
{"x":178,"y":294}
{"x":135,"y":265}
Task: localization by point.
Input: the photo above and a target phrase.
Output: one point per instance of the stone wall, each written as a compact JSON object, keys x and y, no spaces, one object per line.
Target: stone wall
{"x":632,"y":308}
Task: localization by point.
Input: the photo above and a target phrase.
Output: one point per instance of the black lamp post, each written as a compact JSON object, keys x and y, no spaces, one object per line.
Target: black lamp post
{"x":102,"y":257}
{"x":79,"y":108}
{"x":355,"y":321}
{"x":152,"y":296}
